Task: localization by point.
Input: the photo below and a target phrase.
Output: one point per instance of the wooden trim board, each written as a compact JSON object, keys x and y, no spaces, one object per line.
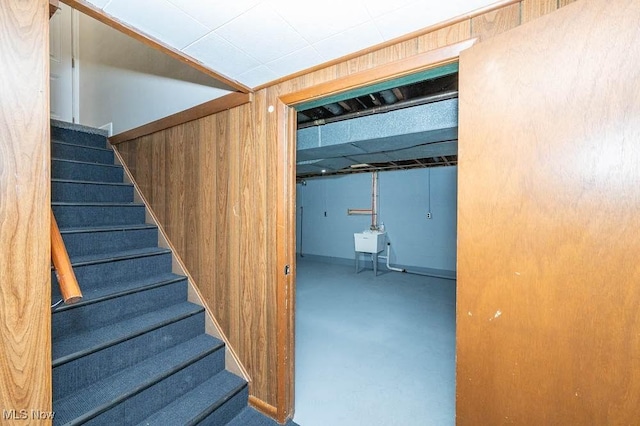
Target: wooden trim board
{"x":397,"y":69}
{"x":214,"y":106}
{"x":263,"y":407}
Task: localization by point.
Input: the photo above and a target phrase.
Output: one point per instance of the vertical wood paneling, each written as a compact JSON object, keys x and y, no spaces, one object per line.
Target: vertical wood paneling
{"x":223,"y":283}
{"x":564,"y":2}
{"x":158,"y":186}
{"x":206,"y":218}
{"x":445,"y":36}
{"x":547,"y":302}
{"x":493,"y":23}
{"x":191,"y":205}
{"x":25,"y":318}
{"x":176,"y":138}
{"x":235,"y":233}
{"x":532,"y":9}
{"x":233,"y":190}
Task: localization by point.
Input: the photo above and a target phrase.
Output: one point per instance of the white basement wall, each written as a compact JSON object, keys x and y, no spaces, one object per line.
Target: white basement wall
{"x":404,"y":198}
{"x":124,"y":82}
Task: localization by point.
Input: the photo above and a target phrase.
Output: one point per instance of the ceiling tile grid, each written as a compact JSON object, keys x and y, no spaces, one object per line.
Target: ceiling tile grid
{"x":258,"y":41}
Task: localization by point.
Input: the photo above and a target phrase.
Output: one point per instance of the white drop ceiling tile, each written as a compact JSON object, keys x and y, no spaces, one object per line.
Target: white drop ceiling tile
{"x":99,"y":3}
{"x":220,"y":55}
{"x":263,"y":34}
{"x":257,"y":76}
{"x":410,"y":18}
{"x":304,"y":58}
{"x":377,"y":8}
{"x":329,"y":18}
{"x":349,"y":41}
{"x":214,"y":14}
{"x":160,"y":19}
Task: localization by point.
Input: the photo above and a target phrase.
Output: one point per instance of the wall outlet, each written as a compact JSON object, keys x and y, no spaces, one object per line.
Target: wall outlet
{"x":428,"y":215}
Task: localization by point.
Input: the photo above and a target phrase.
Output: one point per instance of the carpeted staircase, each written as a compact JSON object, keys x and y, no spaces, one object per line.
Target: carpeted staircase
{"x":134,"y":350}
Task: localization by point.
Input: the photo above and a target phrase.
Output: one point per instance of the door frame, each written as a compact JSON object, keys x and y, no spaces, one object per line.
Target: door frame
{"x":286,"y":193}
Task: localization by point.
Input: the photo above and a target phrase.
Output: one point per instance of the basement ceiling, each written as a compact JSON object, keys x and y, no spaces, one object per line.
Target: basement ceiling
{"x":258,"y":41}
{"x":424,"y":135}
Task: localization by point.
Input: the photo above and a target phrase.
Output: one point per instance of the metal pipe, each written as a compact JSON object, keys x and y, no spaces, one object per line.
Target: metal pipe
{"x":384,"y":108}
{"x":374,"y":200}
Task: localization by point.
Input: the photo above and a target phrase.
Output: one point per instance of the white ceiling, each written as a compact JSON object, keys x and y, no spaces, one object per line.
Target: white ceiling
{"x":258,"y":41}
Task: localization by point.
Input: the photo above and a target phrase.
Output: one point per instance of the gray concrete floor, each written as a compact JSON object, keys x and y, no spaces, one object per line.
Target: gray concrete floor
{"x":373,"y":351}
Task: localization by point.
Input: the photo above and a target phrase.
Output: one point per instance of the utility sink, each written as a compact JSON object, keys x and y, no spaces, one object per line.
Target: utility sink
{"x":370,"y":241}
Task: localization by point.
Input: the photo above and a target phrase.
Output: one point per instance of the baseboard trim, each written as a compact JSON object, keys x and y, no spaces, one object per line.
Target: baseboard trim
{"x":382,"y":266}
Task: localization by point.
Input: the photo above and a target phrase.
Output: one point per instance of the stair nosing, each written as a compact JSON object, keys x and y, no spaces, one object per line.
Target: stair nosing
{"x":219,"y":403}
{"x":107,"y":228}
{"x":123,"y":293}
{"x":97,"y":259}
{"x":58,"y":141}
{"x":86,"y":162}
{"x":97,"y":203}
{"x":88,"y":415}
{"x":91,"y":182}
{"x":194,"y":310}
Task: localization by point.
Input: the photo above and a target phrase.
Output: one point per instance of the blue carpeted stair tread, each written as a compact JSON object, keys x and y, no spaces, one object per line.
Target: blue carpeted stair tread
{"x":108,"y":239}
{"x":62,"y":168}
{"x":249,"y":416}
{"x":89,"y":182}
{"x":87,"y":191}
{"x":80,"y":162}
{"x":60,"y":141}
{"x":98,"y":397}
{"x":100,"y":294}
{"x":82,"y":153}
{"x":199,"y":403}
{"x":106,"y":228}
{"x":91,"y":316}
{"x":74,"y":346}
{"x":115,"y":256}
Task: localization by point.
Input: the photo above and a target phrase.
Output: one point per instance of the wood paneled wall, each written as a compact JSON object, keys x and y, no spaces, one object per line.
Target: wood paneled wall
{"x":25,"y":280}
{"x":212,"y":184}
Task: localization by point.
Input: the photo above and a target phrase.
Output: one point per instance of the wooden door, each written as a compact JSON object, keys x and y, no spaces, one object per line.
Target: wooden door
{"x":548,"y":316}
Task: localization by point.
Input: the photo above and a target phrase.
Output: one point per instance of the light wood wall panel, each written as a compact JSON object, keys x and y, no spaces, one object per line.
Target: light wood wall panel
{"x":230,"y":188}
{"x":532,"y":9}
{"x":25,"y":237}
{"x":547,"y":304}
{"x":495,"y":22}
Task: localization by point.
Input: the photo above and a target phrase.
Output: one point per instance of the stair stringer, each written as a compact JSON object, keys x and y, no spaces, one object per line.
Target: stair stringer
{"x":212,"y":326}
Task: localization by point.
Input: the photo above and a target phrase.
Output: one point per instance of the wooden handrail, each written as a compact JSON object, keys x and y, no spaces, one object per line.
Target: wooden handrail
{"x":69,"y":288}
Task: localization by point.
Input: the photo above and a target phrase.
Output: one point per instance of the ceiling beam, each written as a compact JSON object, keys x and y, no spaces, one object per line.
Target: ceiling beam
{"x":98,"y":14}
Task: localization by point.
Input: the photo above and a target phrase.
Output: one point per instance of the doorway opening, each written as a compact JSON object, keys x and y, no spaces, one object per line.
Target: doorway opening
{"x":370,"y":346}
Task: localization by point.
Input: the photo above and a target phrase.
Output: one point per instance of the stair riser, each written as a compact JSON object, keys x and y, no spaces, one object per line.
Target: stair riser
{"x":115,"y":273}
{"x":81,"y":153}
{"x":88,"y":243}
{"x":142,"y":405}
{"x":85,"y":171}
{"x":228,"y":410}
{"x":80,"y":216}
{"x":78,"y":137}
{"x":90,"y":193}
{"x":87,"y":317}
{"x":74,"y":375}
